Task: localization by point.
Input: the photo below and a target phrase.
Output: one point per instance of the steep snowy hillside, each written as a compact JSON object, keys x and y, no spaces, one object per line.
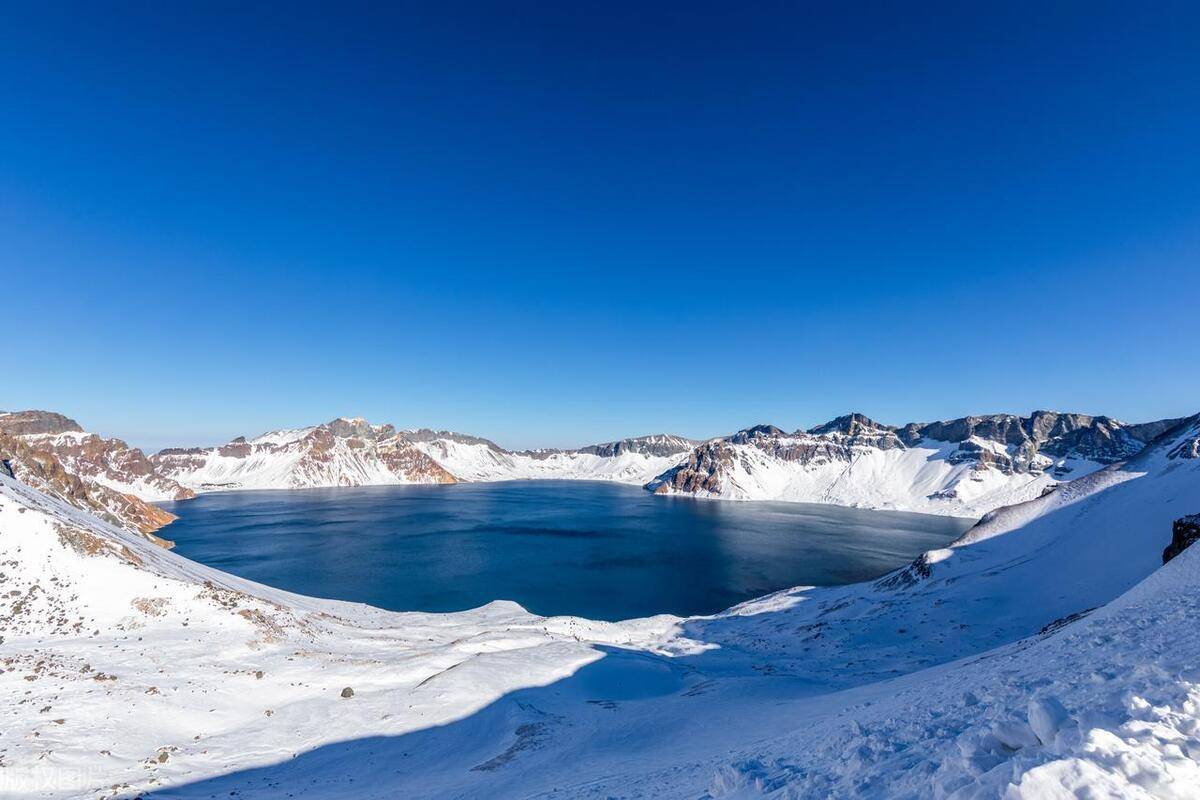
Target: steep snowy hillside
{"x":998,"y":667}
{"x":634,"y":460}
{"x":963,"y":467}
{"x":342,"y":452}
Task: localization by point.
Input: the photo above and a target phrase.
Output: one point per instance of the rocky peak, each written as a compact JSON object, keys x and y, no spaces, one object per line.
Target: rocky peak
{"x":852,"y":424}
{"x":748,"y":435}
{"x":358,"y":428}
{"x":32,"y":422}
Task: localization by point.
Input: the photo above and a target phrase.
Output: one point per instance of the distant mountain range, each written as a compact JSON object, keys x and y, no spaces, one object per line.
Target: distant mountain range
{"x":966,"y":466}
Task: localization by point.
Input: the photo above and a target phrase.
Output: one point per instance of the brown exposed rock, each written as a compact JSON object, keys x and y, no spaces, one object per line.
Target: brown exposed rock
{"x":23,"y":423}
{"x":89,"y":456}
{"x":238,"y":448}
{"x":44,"y":471}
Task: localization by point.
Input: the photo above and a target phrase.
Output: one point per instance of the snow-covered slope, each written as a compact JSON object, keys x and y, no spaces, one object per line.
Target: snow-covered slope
{"x":963,"y":467}
{"x":981,"y":670}
{"x":342,"y":452}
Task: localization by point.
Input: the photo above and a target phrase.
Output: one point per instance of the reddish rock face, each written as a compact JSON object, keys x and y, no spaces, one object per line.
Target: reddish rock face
{"x":43,"y":470}
{"x":109,"y":461}
{"x":24,"y":423}
{"x":403,"y":458}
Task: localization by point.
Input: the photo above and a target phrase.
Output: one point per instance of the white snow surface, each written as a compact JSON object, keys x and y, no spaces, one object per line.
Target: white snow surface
{"x":1045,"y":655}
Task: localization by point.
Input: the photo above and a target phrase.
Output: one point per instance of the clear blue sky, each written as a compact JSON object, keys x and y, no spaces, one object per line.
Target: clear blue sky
{"x":554,"y":223}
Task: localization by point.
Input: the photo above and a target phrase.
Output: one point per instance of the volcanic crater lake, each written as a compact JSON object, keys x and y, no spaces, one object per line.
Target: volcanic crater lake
{"x":600,"y":550}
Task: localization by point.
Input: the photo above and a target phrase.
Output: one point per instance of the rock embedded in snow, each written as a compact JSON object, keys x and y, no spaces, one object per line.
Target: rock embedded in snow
{"x":1184,"y":533}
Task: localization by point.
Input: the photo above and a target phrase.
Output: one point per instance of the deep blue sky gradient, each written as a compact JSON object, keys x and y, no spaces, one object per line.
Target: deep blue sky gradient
{"x":553,"y":223}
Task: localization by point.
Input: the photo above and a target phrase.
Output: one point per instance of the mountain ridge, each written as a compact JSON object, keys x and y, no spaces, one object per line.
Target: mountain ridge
{"x":966,"y":466}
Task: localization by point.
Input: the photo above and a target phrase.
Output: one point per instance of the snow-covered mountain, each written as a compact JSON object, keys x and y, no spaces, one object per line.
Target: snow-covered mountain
{"x":634,"y":460}
{"x":108,"y":462}
{"x":352,"y":452}
{"x":1048,"y":653}
{"x":964,"y":467}
{"x":342,"y":452}
{"x":104,"y":476}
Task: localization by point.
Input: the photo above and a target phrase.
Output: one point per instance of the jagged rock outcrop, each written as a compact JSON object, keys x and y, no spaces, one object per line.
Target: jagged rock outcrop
{"x":852,"y":424}
{"x":835,"y":441}
{"x":25,"y":423}
{"x":1188,"y":448}
{"x":1184,"y":533}
{"x":43,"y":470}
{"x":1052,"y":435}
{"x":702,"y":472}
{"x":107,"y":461}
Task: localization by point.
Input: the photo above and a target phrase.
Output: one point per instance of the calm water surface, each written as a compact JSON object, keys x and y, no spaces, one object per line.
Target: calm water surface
{"x":599,"y":550}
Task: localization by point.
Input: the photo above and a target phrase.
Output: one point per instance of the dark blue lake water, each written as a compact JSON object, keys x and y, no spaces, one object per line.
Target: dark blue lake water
{"x":599,"y":550}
